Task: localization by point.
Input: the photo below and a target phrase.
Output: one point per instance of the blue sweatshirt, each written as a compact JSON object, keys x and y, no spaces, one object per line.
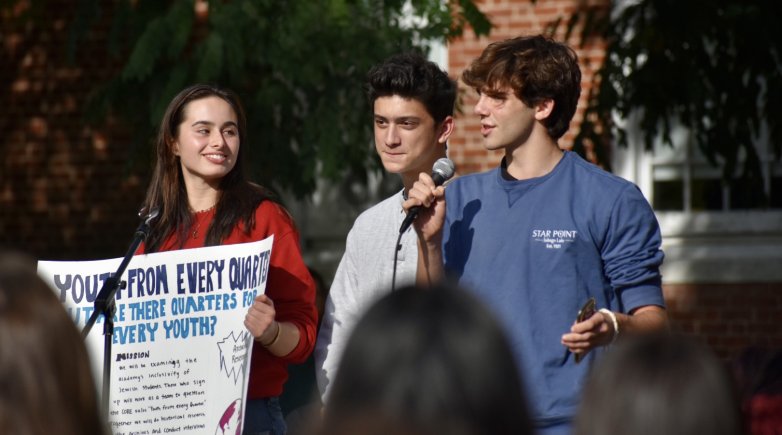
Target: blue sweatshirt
{"x":535,"y":250}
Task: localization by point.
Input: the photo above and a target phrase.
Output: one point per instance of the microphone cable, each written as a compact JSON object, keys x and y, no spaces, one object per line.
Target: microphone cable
{"x":397,"y":248}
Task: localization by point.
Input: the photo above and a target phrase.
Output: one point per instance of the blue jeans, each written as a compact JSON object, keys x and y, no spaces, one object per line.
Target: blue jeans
{"x":264,"y":417}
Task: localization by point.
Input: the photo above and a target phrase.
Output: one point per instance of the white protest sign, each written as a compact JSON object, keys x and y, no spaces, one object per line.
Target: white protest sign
{"x":180,"y":352}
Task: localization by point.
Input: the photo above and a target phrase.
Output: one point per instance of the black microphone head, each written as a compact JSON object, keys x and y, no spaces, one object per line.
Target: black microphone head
{"x":153,"y":214}
{"x":442,"y":170}
{"x":149,"y":216}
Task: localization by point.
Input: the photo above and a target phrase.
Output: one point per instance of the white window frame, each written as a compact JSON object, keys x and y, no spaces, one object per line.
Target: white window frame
{"x":706,"y":246}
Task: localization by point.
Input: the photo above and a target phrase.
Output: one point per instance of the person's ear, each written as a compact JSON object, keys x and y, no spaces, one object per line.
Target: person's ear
{"x":173,"y":144}
{"x":445,"y":129}
{"x":543,"y":109}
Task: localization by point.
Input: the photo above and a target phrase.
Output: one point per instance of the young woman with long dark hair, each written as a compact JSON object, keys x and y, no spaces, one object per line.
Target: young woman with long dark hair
{"x":204,"y":199}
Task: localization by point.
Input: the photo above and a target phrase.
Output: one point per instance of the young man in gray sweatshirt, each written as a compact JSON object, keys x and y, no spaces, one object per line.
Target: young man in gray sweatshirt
{"x":413,"y":101}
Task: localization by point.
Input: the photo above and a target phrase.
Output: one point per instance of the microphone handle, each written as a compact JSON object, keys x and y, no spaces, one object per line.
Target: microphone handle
{"x":413,"y":212}
{"x":411,"y":215}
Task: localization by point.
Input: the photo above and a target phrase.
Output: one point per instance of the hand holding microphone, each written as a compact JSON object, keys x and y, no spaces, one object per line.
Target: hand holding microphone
{"x":442,"y":171}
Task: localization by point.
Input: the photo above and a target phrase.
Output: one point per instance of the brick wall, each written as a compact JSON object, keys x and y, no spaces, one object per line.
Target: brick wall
{"x":729,"y":317}
{"x":513,"y":18}
{"x":65,"y":189}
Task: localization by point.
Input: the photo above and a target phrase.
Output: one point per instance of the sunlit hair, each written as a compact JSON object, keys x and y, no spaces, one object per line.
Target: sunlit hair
{"x":536,"y":69}
{"x":46,"y":385}
{"x":167,"y":192}
{"x":427,"y":361}
{"x":410,"y":75}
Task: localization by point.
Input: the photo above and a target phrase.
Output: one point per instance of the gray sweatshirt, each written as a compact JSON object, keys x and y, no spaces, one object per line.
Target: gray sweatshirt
{"x":364,"y":275}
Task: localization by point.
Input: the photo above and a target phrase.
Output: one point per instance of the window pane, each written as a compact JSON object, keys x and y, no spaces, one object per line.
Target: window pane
{"x":667,"y":172}
{"x":775,"y":196}
{"x":747,"y":194}
{"x":668,"y":195}
{"x":706,"y":194}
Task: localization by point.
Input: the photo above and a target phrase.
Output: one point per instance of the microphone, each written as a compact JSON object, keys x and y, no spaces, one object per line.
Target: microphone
{"x":150,"y":216}
{"x":146,"y":219}
{"x":442,"y":171}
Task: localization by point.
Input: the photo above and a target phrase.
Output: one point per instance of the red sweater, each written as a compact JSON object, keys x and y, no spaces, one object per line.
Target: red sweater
{"x":289,"y":285}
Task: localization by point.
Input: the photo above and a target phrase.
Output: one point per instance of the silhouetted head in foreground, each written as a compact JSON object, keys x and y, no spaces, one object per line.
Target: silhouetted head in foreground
{"x":660,"y":384}
{"x":46,"y":386}
{"x":427,"y":361}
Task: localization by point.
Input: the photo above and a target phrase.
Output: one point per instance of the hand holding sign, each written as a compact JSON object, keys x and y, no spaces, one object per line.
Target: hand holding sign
{"x":260,"y":318}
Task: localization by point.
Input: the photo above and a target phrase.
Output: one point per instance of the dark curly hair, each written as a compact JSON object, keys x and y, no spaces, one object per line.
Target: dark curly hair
{"x":410,"y":75}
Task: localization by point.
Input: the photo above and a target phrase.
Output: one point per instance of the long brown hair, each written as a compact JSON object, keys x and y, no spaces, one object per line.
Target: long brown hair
{"x":238,"y":197}
{"x":46,"y":386}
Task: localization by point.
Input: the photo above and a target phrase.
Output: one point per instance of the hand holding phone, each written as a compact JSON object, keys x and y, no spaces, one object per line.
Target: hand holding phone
{"x":587,"y":311}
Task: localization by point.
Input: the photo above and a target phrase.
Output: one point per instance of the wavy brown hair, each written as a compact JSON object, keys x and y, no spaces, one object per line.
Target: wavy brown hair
{"x":536,"y":68}
{"x":238,"y":197}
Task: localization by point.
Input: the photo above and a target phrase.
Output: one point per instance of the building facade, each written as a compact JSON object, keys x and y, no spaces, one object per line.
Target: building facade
{"x":722,"y":275}
{"x":67,"y":189}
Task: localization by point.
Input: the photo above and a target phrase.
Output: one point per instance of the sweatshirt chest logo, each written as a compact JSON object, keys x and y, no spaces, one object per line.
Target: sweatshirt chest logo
{"x":554,"y":239}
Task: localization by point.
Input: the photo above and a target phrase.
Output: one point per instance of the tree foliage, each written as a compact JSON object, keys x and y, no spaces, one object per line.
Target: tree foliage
{"x":715,"y":66}
{"x":299,"y":67}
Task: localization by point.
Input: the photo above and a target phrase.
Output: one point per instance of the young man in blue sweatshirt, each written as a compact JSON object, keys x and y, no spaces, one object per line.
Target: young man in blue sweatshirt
{"x":544,"y":232}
